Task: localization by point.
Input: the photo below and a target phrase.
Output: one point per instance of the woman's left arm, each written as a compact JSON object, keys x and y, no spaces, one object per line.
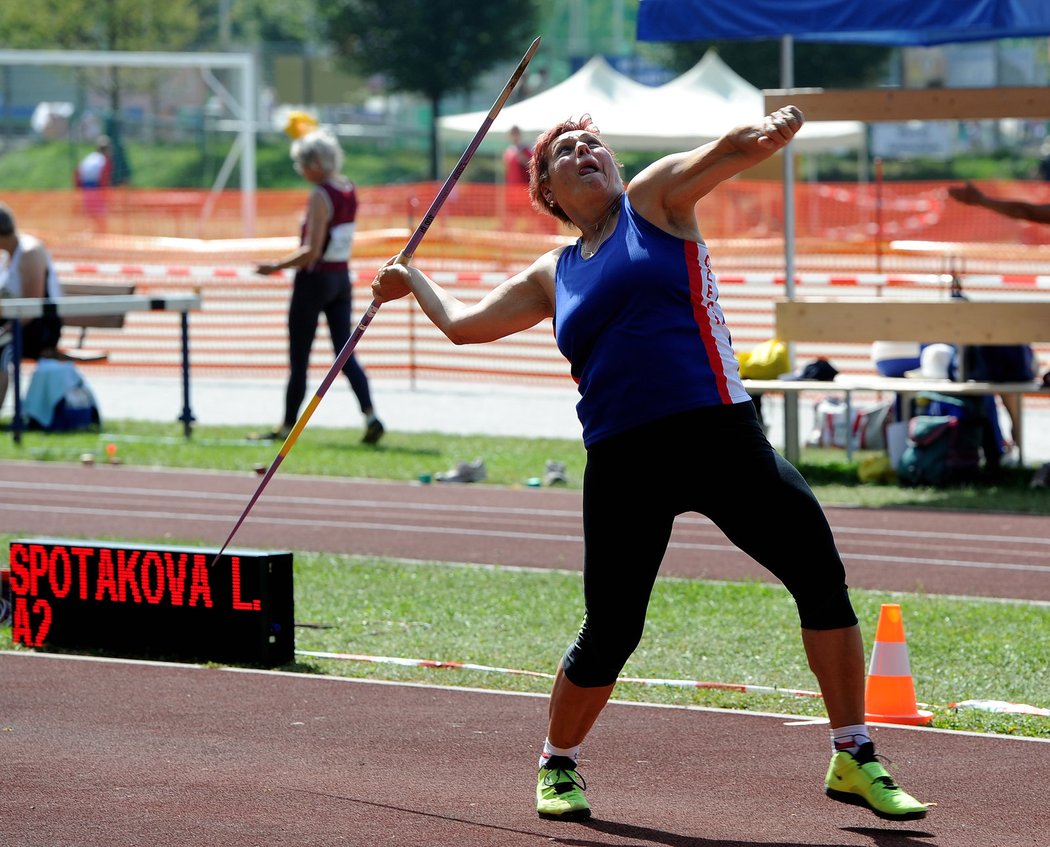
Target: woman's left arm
{"x":666,"y":192}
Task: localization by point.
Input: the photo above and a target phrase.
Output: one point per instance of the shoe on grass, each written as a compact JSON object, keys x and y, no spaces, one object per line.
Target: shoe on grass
{"x":278,"y":434}
{"x":862,"y":781}
{"x":464,"y":472}
{"x":559,"y":791}
{"x":555,"y":473}
{"x":373,"y":432}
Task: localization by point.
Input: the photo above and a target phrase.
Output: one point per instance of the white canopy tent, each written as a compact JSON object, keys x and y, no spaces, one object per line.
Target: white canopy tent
{"x":693,"y":109}
{"x":596,"y":88}
{"x":741,"y":102}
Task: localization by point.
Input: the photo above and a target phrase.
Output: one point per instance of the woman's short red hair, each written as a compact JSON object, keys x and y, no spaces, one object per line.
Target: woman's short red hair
{"x":540,"y":160}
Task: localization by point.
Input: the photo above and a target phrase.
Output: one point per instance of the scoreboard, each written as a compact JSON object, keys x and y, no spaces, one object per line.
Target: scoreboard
{"x":163,"y":602}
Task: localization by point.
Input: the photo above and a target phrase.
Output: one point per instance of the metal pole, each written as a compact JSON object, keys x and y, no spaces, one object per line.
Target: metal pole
{"x":16,"y":349}
{"x":787,"y":80}
{"x":248,"y":119}
{"x":187,"y":415}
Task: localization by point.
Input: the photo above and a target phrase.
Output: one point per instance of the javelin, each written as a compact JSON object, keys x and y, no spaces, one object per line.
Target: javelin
{"x":404,"y":256}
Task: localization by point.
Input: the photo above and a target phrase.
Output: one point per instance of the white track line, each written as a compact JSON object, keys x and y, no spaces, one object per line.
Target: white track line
{"x":460,"y":508}
{"x":792,"y":719}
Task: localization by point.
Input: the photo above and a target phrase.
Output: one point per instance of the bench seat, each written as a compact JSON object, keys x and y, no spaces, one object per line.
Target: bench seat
{"x":85,"y":322}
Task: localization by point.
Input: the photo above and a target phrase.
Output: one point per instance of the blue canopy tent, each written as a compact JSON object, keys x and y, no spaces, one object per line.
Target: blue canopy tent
{"x":887,"y":22}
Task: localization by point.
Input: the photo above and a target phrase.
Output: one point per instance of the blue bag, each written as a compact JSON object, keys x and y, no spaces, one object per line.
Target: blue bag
{"x":58,"y":398}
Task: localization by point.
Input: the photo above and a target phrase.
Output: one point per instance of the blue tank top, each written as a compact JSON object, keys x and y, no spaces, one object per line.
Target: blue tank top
{"x":641,"y":327}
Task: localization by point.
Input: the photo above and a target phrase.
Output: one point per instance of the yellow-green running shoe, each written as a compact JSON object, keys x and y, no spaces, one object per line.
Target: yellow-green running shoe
{"x":559,"y":791}
{"x":862,"y":780}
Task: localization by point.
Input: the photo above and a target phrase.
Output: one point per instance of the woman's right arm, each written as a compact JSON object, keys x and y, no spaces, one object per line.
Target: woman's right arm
{"x":519,"y":303}
{"x":318,"y":213}
{"x":971,"y":195}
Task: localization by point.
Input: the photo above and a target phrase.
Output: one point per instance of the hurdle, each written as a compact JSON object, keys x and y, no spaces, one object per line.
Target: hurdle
{"x":18,"y":309}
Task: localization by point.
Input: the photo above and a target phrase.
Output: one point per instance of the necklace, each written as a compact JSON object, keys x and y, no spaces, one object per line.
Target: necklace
{"x":601,"y":235}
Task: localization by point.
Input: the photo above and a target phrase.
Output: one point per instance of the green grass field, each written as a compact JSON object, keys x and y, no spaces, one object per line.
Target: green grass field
{"x":696,"y":631}
{"x":516,"y":619}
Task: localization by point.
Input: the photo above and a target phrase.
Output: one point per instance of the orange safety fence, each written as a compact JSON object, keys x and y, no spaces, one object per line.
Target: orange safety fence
{"x":477,"y":222}
{"x":847,"y":225}
{"x":240,"y":331}
{"x":905,"y":239}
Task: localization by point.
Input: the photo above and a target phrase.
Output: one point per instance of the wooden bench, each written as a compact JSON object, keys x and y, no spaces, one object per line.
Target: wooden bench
{"x":887,"y":319}
{"x":85,"y":322}
{"x":858,"y":320}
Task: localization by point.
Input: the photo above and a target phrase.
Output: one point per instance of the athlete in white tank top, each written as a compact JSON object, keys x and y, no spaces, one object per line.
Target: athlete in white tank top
{"x":28,"y":272}
{"x":28,"y":261}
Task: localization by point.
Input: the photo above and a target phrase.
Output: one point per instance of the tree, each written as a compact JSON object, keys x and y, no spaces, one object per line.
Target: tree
{"x":431,"y":47}
{"x":100,"y":25}
{"x":103,"y":25}
{"x":815,"y":66}
{"x":251,"y":22}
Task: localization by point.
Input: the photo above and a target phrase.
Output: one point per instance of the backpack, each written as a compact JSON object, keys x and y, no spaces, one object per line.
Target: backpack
{"x":941,"y":450}
{"x":933,"y":404}
{"x":869,"y":425}
{"x":867,"y":429}
{"x":59,"y":399}
{"x":978,"y":414}
{"x":76,"y":410}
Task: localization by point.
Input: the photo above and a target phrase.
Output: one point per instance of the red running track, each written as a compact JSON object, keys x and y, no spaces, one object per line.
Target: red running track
{"x":124,"y":755}
{"x":111,"y":753}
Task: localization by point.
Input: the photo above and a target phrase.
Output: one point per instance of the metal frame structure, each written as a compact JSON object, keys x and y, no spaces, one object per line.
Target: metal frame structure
{"x":243,"y":106}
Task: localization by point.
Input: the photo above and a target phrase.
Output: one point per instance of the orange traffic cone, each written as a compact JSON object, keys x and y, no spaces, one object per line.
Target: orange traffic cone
{"x":889,"y":695}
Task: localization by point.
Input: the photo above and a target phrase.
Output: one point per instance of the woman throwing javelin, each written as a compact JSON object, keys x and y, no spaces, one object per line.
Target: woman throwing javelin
{"x":322,"y":277}
{"x":635,"y":309}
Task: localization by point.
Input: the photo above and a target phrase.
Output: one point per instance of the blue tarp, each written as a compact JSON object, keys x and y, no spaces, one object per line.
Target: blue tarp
{"x":888,"y":22}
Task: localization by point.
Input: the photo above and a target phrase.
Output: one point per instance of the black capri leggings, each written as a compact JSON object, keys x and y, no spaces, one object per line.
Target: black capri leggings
{"x":712,"y":461}
{"x":314,"y":292}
